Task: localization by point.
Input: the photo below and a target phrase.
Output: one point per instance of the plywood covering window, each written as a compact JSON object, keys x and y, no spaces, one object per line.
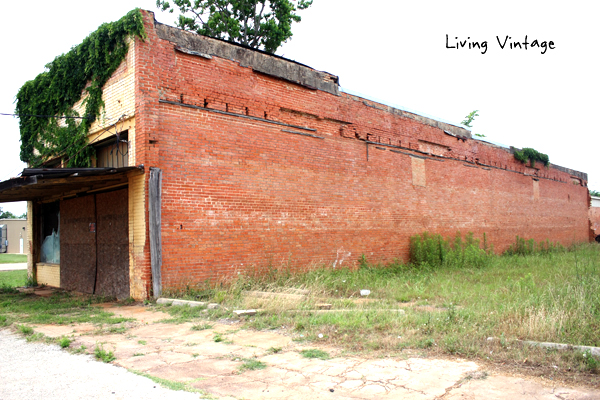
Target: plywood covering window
{"x":113,"y":152}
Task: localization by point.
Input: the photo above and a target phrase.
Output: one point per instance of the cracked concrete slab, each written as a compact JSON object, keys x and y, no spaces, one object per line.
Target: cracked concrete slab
{"x":178,"y":353}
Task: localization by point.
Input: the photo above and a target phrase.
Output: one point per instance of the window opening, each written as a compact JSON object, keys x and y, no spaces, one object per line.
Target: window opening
{"x":113,"y":152}
{"x":50,"y":251}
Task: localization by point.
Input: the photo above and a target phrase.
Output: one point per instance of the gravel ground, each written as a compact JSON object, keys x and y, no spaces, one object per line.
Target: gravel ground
{"x":39,"y":371}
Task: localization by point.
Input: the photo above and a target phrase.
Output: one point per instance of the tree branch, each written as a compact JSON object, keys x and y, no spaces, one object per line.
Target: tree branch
{"x":257,"y":17}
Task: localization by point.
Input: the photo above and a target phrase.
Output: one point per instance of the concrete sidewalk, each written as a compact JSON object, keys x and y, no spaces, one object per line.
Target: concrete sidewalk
{"x":181,"y":353}
{"x":13,"y":267}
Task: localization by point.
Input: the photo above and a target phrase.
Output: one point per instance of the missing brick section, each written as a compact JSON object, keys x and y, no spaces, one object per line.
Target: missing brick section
{"x":152,"y":141}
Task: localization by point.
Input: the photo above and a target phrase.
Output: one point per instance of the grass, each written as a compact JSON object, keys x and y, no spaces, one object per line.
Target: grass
{"x":25,"y":330}
{"x":168,"y":384}
{"x":201,"y":327}
{"x":251,"y":365}
{"x":182,"y":314}
{"x":540,"y":292}
{"x":12,"y":279}
{"x":60,"y":308}
{"x":315,"y":353}
{"x":103,"y":355}
{"x":13,"y":258}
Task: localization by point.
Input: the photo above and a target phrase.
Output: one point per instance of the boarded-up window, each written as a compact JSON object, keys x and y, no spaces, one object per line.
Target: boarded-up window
{"x":536,"y":190}
{"x":113,"y":152}
{"x":418,"y":171}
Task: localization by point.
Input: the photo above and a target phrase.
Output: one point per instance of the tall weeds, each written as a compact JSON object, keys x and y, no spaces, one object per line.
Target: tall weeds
{"x":433,"y":251}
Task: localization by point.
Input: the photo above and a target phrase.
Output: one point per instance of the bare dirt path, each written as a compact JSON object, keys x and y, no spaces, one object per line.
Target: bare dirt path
{"x":213,"y":360}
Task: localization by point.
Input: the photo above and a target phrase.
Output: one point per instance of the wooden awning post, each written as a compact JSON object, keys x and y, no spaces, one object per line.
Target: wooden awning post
{"x":154,"y":209}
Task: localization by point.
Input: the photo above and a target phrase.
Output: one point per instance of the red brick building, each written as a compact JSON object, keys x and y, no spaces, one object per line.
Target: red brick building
{"x":266,"y":162}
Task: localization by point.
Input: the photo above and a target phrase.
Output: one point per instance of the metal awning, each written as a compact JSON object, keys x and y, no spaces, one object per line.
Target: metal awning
{"x":54,"y":183}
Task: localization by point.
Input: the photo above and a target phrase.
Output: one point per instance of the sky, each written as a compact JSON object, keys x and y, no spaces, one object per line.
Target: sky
{"x":415,"y":55}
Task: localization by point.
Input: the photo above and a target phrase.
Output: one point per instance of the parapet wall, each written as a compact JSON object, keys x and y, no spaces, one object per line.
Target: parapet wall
{"x":266,"y":163}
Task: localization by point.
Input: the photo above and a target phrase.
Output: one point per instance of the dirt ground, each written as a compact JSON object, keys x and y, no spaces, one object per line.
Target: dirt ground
{"x":178,"y":353}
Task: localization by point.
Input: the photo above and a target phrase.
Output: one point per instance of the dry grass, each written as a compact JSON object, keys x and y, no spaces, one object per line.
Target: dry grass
{"x":448,"y":310}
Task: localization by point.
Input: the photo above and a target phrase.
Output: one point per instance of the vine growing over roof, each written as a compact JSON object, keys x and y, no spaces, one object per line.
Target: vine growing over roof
{"x":531,"y":155}
{"x":82,"y":72}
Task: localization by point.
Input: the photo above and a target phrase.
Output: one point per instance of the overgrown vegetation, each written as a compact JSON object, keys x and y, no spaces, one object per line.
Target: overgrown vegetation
{"x":433,"y":251}
{"x":82,"y":72}
{"x":455,"y":295}
{"x":530,"y":155}
{"x":524,"y":247}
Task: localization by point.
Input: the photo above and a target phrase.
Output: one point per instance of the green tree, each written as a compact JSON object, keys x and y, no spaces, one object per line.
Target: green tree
{"x":595,"y":193}
{"x":6,"y":214}
{"x":260,"y":24}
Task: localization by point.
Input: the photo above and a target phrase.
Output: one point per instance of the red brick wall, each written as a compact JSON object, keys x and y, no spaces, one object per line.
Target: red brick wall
{"x":240,"y":193}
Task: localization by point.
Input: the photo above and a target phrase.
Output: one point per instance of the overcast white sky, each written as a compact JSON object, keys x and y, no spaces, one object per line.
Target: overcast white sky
{"x":388,"y":50}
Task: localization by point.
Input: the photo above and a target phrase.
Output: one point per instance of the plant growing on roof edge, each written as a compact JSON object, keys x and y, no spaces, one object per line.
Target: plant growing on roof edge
{"x":531,"y":155}
{"x":83,"y":70}
{"x":469,"y":119}
{"x":258,"y":24}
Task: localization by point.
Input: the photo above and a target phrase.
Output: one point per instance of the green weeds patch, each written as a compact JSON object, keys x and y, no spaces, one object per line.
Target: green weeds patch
{"x":104,"y":355}
{"x":64,"y":342}
{"x":315,"y":353}
{"x":252,"y":365}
